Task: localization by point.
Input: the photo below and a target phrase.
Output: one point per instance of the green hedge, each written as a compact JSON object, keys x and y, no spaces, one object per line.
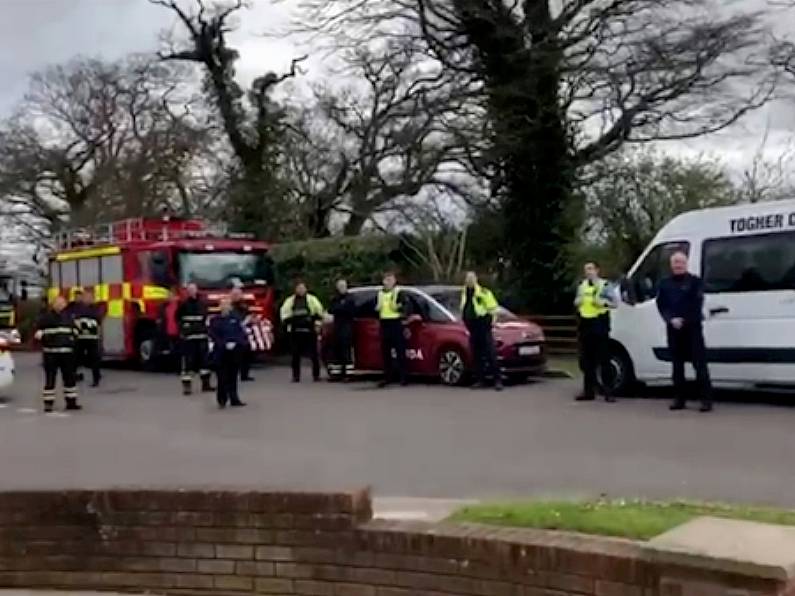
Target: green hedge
{"x":320,"y":263}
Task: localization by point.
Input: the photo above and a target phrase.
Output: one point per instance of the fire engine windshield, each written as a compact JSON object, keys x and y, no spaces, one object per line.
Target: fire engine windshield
{"x":224,"y":269}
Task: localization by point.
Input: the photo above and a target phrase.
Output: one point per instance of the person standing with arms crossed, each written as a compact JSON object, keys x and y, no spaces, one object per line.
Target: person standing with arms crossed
{"x":478,"y":307}
{"x":229,"y":338}
{"x":194,"y":345}
{"x":680,"y":300}
{"x":343,"y":309}
{"x":593,"y":302}
{"x":57,"y":333}
{"x":88,"y":320}
{"x":391,"y":308}
{"x":301,"y":315}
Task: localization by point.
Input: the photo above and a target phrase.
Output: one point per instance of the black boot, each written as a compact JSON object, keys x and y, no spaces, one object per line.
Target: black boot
{"x":71,"y":404}
{"x":677,"y":405}
{"x":48,"y":406}
{"x":706,"y":406}
{"x":207,"y":386}
{"x":187,"y":388}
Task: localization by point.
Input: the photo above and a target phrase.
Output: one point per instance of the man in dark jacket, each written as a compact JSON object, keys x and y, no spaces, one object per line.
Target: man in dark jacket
{"x":88,"y":320}
{"x":57,"y":333}
{"x":680,"y":300}
{"x":192,"y":318}
{"x":228,"y":337}
{"x":343,"y":309}
{"x":241,"y":309}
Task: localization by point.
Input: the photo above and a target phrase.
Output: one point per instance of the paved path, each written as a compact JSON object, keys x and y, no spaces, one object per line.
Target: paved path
{"x":426,"y":441}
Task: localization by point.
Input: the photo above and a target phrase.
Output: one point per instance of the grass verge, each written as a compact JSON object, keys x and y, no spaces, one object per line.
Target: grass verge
{"x":640,"y":520}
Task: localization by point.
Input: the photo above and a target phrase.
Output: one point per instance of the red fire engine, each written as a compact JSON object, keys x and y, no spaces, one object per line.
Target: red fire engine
{"x":134,"y":264}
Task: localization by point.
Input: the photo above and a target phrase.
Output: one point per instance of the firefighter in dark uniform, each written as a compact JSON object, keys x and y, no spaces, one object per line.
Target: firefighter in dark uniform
{"x":593,"y":302}
{"x":478,"y":307}
{"x":246,"y":354}
{"x":58,"y":336}
{"x":228,"y":337}
{"x":301,"y":315}
{"x":192,"y":317}
{"x":88,"y":318}
{"x":343,"y":309}
{"x":391,"y":308}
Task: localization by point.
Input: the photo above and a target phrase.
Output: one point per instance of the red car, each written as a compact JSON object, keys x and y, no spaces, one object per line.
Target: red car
{"x":438,"y":343}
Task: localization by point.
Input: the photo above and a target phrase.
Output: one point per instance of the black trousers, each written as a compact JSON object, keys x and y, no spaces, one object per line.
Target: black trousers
{"x":484,"y":350}
{"x":393,"y":340}
{"x":594,"y":335}
{"x":304,"y":343}
{"x":687,"y":345}
{"x":88,"y":356}
{"x":194,"y":358}
{"x":227,"y":369}
{"x":246,"y":358}
{"x":343,"y":349}
{"x":65,"y":363}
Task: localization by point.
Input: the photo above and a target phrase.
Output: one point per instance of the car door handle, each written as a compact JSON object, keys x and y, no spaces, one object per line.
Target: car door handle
{"x":718,"y":310}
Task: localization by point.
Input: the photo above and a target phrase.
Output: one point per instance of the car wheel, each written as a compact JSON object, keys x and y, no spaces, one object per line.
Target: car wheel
{"x":451,"y":367}
{"x":617,"y":375}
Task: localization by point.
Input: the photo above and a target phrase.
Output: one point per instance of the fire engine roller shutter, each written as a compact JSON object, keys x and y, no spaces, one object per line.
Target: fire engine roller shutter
{"x":113,"y":294}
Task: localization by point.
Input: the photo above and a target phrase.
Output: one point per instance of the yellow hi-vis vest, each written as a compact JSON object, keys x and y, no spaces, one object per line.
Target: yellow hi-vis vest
{"x":483,"y":301}
{"x":592,"y":304}
{"x":387,"y":306}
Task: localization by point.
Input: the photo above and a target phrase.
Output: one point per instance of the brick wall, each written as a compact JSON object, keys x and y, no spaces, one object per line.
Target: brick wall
{"x":196,"y":542}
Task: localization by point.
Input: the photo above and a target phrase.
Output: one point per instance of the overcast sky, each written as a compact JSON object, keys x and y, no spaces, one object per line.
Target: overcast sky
{"x":36,"y":33}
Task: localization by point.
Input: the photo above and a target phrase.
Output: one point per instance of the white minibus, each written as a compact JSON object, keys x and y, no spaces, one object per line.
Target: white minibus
{"x":746,"y":256}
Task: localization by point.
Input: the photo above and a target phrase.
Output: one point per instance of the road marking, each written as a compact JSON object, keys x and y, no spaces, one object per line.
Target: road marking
{"x":26,"y":410}
{"x":57,"y":415}
{"x":3,"y":406}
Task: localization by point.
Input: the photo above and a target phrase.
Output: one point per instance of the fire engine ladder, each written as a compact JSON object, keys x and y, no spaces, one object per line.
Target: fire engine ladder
{"x":132,"y":230}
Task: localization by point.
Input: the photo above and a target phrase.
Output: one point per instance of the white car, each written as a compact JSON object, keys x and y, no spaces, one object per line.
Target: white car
{"x":6,"y":361}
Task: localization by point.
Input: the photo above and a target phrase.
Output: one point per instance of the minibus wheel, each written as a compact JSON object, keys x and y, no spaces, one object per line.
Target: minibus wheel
{"x":617,"y":375}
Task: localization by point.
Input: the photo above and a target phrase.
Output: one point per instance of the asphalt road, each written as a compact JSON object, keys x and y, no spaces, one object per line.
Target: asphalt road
{"x":422,"y":441}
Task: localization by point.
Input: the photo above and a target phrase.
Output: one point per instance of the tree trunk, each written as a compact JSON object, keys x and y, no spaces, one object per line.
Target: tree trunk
{"x":531,"y":145}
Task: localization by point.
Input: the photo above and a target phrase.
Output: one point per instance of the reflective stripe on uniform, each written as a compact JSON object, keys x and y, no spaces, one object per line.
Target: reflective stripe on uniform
{"x":89,"y":336}
{"x":57,"y":350}
{"x":196,"y":336}
{"x":192,"y":317}
{"x":57,"y":330}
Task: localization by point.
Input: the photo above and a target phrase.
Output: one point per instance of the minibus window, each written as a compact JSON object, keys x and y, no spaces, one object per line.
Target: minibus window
{"x":655,"y":267}
{"x":761,"y":263}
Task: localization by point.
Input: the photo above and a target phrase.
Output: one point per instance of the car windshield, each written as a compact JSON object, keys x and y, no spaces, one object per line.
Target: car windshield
{"x":450,"y":298}
{"x":224,"y":269}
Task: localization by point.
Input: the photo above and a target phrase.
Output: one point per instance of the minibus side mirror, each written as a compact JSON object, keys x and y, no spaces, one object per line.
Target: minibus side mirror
{"x":627,"y":291}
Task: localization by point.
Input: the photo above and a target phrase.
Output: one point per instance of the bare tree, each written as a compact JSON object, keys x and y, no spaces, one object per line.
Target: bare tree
{"x":252,"y":121}
{"x":566,"y":84}
{"x":403,"y":127}
{"x":98,"y":140}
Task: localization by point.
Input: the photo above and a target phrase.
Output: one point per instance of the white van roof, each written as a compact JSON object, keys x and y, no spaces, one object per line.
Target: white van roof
{"x":720,"y":222}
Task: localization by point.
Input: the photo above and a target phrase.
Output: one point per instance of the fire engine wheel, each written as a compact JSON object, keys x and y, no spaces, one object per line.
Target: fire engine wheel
{"x":452,"y":369}
{"x":146,"y":352}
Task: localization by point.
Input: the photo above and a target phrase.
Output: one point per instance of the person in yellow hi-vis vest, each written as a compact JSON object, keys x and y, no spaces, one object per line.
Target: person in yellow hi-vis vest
{"x":302,"y":314}
{"x":478,"y":307}
{"x":391,"y":308}
{"x":594,"y":300}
